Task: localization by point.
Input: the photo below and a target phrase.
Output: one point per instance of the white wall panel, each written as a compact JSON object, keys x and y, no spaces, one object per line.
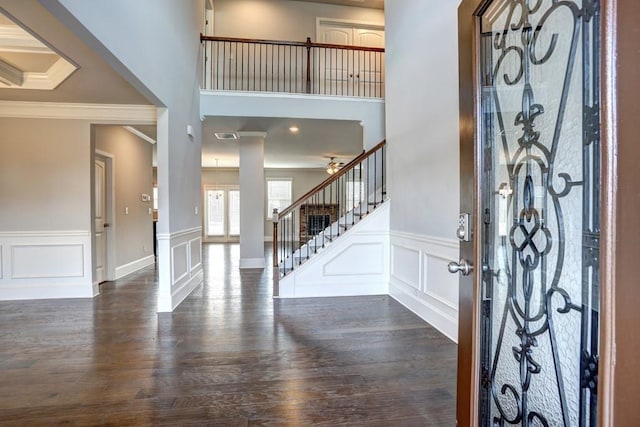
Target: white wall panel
{"x":195,"y":253}
{"x":179,"y":262}
{"x":405,"y":265}
{"x":46,"y":261}
{"x":370,"y":255}
{"x":184,"y":273}
{"x":45,"y":264}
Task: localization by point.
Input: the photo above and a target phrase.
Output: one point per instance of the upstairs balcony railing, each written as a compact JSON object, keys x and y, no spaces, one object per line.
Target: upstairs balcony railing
{"x":236,"y":64}
{"x":327,"y":211}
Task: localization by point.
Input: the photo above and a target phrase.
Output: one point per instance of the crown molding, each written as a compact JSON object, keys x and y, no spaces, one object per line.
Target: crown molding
{"x":98,"y":113}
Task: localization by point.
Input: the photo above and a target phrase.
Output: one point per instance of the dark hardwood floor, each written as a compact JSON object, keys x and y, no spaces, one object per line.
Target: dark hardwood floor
{"x":229,"y":355}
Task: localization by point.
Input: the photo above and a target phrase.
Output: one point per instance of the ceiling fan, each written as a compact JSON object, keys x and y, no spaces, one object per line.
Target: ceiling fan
{"x":333,"y":166}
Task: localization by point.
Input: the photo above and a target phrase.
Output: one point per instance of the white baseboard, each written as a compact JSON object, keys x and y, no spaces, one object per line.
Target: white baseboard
{"x":252,"y":263}
{"x":430,"y":314}
{"x":419,"y":279}
{"x":134,"y":266}
{"x":51,"y":290}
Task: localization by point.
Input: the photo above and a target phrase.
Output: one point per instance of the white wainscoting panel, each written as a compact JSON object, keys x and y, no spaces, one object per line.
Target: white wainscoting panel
{"x":179,"y":266}
{"x":180,"y":261}
{"x":420,"y":281}
{"x":45,"y":261}
{"x":354,"y":264}
{"x":46,"y":264}
{"x":195,"y":252}
{"x":405,"y":265}
{"x":134,"y":266}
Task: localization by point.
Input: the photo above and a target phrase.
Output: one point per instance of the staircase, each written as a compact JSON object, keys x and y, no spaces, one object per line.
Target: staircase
{"x":321,"y":216}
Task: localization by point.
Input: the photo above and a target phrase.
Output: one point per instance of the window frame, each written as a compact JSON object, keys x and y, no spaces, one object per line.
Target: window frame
{"x":268,"y":208}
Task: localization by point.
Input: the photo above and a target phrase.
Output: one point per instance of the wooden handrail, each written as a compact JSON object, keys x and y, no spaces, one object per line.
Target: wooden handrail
{"x":307,"y":44}
{"x":346,"y":168}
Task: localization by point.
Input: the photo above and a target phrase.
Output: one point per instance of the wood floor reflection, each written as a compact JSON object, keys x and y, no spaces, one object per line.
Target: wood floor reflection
{"x":229,"y":355}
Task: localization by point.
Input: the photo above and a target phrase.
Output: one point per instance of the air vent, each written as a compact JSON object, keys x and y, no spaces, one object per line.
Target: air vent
{"x":226,"y":135}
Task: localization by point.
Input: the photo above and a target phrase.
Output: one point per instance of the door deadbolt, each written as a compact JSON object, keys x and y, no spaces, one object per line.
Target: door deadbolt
{"x":464,"y":228}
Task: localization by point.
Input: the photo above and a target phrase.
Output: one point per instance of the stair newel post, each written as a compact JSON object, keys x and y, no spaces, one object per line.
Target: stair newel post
{"x":276,"y":264}
{"x":308,"y":46}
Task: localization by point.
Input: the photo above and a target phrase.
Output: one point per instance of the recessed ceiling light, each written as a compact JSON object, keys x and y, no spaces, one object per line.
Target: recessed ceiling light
{"x":226,"y":135}
{"x":294,"y":129}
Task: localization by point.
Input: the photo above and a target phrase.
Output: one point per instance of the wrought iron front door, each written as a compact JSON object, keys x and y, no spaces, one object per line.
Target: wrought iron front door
{"x":540,"y":175}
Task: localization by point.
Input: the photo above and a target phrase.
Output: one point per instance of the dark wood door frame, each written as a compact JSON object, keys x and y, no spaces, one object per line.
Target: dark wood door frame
{"x":467,"y":394}
{"x":619,"y":384}
{"x":619,"y":367}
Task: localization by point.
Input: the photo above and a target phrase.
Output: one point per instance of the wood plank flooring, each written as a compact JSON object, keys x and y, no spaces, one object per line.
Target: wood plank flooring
{"x":229,"y":355}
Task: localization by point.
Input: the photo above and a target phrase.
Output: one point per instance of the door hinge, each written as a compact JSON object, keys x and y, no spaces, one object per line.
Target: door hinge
{"x":485,"y":380}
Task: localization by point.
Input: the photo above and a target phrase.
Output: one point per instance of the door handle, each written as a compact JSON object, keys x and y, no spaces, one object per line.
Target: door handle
{"x":464,"y":267}
{"x":106,"y":225}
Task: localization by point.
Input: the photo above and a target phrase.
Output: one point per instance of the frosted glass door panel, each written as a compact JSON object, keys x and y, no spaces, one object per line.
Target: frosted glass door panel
{"x":540,"y":210}
{"x":215,"y":213}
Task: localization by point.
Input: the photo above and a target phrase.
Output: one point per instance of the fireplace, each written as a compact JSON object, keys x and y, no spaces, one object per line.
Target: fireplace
{"x":317,"y":223}
{"x":316,"y":218}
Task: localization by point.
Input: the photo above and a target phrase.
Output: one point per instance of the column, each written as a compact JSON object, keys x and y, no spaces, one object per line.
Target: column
{"x":252,"y":202}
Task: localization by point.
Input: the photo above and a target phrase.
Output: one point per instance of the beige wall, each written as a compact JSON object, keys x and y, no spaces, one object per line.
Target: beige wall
{"x":133,"y":177}
{"x":303,"y":181}
{"x":44,"y":175}
{"x":281,"y":19}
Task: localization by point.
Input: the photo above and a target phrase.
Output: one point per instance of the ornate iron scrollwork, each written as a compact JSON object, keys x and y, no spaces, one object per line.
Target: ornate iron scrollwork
{"x":520,"y":38}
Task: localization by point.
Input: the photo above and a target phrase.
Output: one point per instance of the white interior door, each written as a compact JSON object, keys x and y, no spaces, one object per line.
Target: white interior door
{"x":335,"y":65}
{"x":101,"y":222}
{"x":369,"y":67}
{"x":344,"y":73}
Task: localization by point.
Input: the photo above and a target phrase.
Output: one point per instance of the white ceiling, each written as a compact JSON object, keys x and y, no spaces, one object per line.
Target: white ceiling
{"x":311,"y":147}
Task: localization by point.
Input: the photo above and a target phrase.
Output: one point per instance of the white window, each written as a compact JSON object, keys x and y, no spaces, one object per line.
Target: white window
{"x":234,"y":212}
{"x":278,"y":194}
{"x":155,"y":198}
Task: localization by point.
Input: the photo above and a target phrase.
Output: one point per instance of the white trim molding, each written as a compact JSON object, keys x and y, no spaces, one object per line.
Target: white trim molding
{"x":98,"y":113}
{"x":46,"y":264}
{"x":179,"y":266}
{"x":134,"y":266}
{"x":419,"y":279}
